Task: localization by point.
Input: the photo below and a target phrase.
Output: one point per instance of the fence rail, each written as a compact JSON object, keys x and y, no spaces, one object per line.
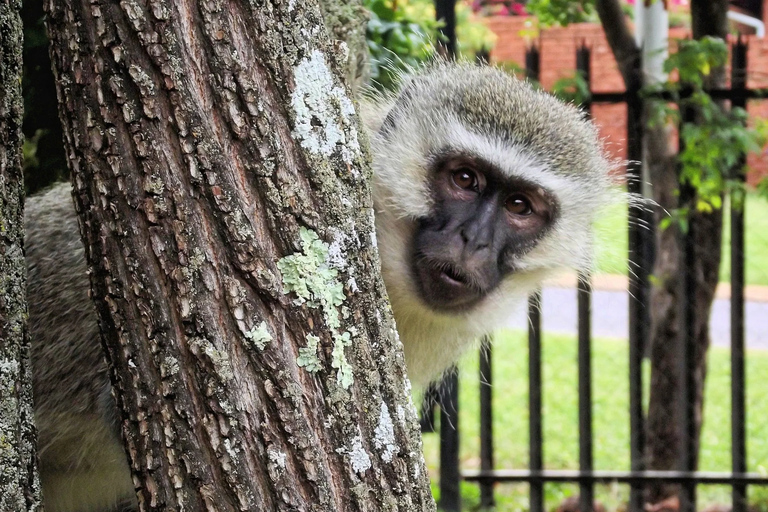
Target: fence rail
{"x":610,"y":476}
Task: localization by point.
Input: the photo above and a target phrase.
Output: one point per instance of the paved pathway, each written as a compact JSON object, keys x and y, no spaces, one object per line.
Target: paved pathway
{"x":610,"y":314}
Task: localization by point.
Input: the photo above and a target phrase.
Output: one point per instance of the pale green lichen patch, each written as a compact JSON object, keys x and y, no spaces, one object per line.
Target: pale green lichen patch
{"x":324,"y":112}
{"x":219,"y":358}
{"x":315,"y":281}
{"x":312,"y":278}
{"x":259,"y":336}
{"x":308,"y":355}
{"x":339,"y":359}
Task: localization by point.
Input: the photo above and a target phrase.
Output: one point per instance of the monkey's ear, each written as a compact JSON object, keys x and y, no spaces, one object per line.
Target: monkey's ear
{"x":381,"y":110}
{"x":374,"y":112}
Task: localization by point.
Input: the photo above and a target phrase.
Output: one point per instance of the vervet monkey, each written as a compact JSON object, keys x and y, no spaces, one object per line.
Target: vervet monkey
{"x":483,"y":187}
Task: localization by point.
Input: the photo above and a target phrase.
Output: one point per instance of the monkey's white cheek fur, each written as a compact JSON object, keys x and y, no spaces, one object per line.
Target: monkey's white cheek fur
{"x":507,"y":140}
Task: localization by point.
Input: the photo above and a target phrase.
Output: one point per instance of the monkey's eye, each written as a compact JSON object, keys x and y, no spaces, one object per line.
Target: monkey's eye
{"x":518,"y":204}
{"x":465,"y":179}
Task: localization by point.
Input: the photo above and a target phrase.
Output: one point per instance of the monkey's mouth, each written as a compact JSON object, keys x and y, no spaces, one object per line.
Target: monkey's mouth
{"x":453,"y":276}
{"x":447,"y":287}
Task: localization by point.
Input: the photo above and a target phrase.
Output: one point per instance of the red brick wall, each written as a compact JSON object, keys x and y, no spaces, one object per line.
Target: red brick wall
{"x":558,"y":60}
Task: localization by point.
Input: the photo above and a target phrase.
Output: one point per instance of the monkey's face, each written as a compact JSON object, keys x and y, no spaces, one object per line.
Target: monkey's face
{"x":483,"y":187}
{"x":481,"y":223}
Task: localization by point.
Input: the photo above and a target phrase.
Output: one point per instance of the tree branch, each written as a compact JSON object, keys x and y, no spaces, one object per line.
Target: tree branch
{"x":620,"y":39}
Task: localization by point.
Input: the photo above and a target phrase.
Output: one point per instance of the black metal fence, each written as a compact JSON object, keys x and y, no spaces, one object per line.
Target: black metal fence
{"x":641,"y":242}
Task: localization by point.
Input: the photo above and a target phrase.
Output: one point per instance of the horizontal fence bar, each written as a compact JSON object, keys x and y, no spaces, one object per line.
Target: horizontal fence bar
{"x":608,"y":476}
{"x":717,"y":94}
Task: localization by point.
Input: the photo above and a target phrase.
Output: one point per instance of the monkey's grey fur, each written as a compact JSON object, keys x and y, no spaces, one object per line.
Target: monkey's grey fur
{"x":82,"y":463}
{"x":525,"y":133}
{"x":478,"y":111}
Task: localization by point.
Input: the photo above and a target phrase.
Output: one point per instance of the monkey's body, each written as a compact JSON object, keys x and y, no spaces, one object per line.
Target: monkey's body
{"x":83,"y":466}
{"x":483,"y":188}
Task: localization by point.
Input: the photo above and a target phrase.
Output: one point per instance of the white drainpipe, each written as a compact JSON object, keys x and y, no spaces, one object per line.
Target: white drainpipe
{"x":755,"y":23}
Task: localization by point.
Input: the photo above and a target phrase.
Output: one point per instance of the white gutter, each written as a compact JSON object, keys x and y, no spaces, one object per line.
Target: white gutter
{"x":755,"y":23}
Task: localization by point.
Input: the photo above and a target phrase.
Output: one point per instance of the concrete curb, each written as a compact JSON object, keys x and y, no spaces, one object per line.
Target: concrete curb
{"x":618,"y":283}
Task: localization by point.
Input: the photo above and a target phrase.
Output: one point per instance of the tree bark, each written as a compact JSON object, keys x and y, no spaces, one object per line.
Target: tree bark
{"x":221,"y":181}
{"x":19,"y":484}
{"x":663,"y":447}
{"x":663,"y":429}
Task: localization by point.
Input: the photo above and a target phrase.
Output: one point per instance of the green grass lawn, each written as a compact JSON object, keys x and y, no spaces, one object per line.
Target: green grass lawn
{"x":611,"y":242}
{"x":610,"y":419}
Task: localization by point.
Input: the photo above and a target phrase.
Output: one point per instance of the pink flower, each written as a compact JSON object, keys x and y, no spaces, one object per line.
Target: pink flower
{"x":518,"y":9}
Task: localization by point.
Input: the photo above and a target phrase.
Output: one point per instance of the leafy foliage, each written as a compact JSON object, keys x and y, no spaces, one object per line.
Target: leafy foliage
{"x":561,"y":12}
{"x":573,"y":89}
{"x":472,"y":36}
{"x":401,"y":35}
{"x":714,"y":139}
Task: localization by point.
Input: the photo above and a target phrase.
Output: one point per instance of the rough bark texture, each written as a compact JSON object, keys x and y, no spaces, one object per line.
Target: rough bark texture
{"x":663,"y":446}
{"x":256,"y":367}
{"x":346,"y":21}
{"x":19,"y":485}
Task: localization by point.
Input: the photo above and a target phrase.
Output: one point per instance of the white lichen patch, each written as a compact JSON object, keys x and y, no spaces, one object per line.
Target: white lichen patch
{"x":336,"y":256}
{"x":277,"y":457}
{"x":416,"y":465}
{"x":308,"y":355}
{"x":170,"y":366}
{"x":232,"y":450}
{"x":384,"y":435}
{"x":358,"y":457}
{"x":324,"y":113}
{"x":259,"y":336}
{"x":316,"y":283}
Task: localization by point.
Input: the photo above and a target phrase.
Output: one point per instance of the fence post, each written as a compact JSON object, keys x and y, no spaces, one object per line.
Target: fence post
{"x":686,"y":341}
{"x":445,"y":11}
{"x":450,"y":497}
{"x":450,"y":477}
{"x":584,"y":299}
{"x":486,"y":421}
{"x":532,"y":63}
{"x":738,"y":413}
{"x":535,"y":440}
{"x":639,"y":318}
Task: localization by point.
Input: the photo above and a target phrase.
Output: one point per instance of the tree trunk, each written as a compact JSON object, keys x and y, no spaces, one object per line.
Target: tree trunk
{"x":663,"y":447}
{"x":19,"y":484}
{"x":221,"y":183}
